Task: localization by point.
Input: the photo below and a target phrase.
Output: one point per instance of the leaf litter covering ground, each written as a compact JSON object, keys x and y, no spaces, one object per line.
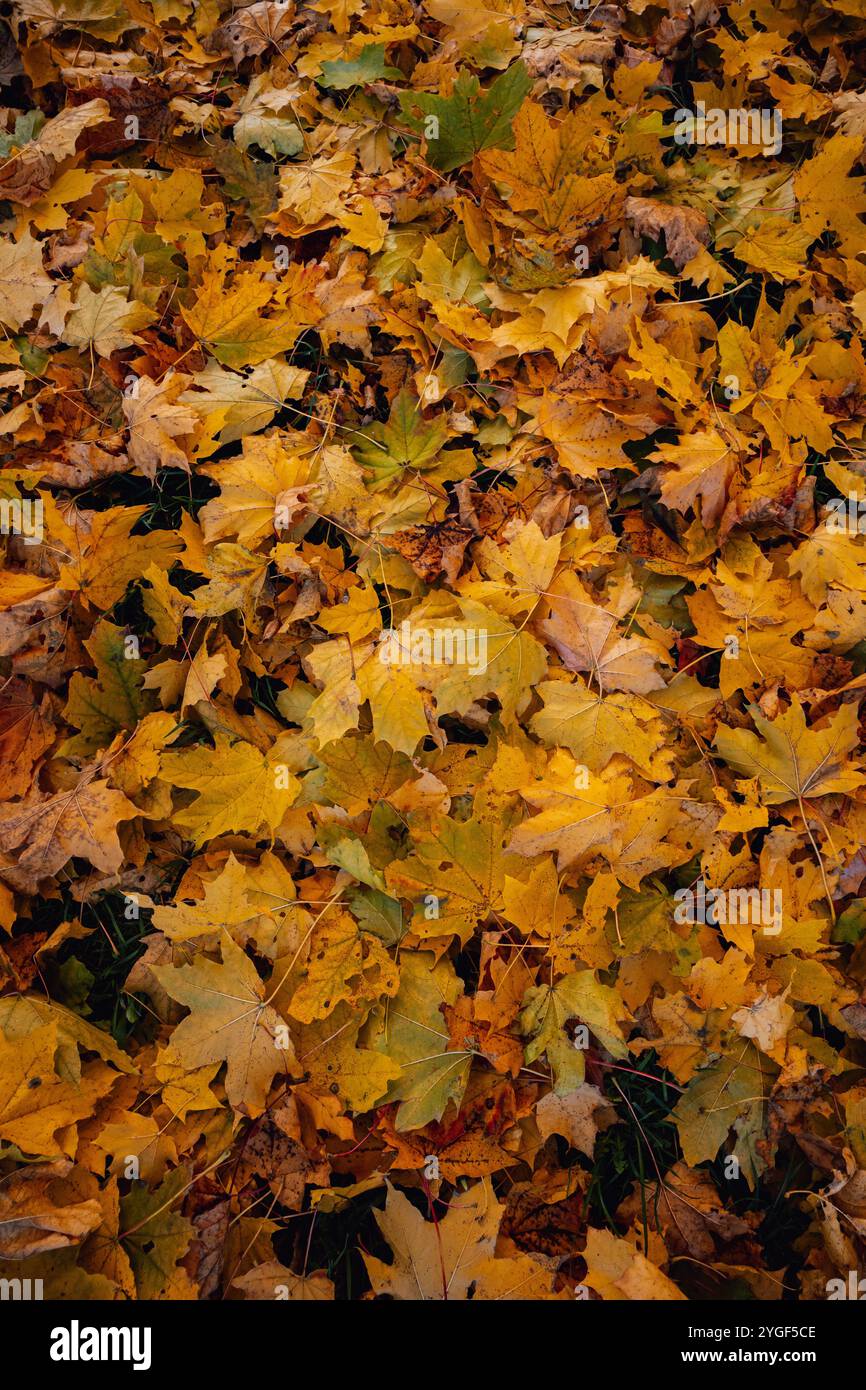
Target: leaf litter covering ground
{"x":328,"y":975}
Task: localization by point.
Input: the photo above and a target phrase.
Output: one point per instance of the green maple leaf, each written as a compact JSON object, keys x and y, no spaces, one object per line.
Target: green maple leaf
{"x":729,"y":1094}
{"x":463,"y":865}
{"x":406,"y":441}
{"x":457,"y":127}
{"x":156,"y":1239}
{"x":114,"y":700}
{"x":547,"y":1009}
{"x":369,"y":66}
{"x":413,"y":1034}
